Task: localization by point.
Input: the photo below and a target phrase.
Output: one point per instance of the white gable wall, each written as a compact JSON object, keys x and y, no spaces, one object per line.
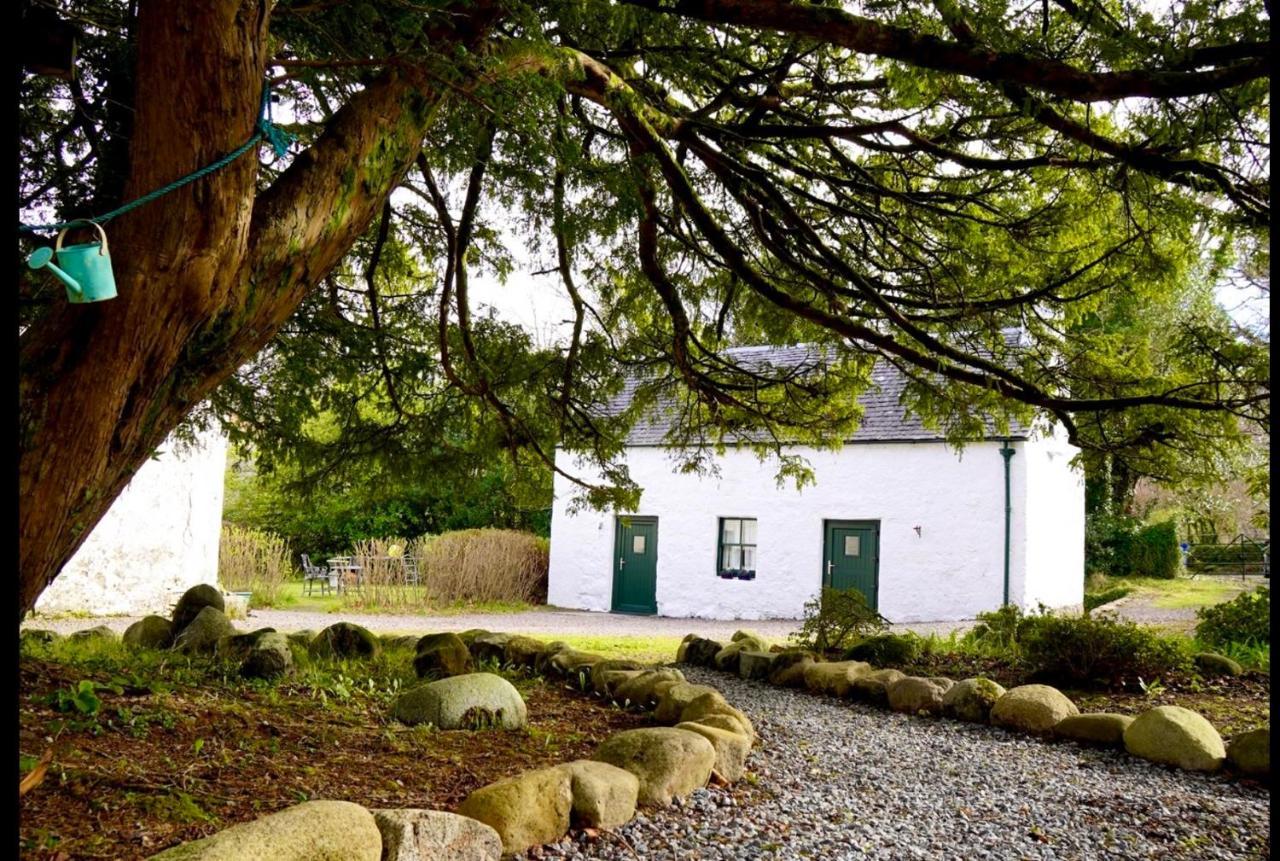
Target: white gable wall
{"x":158,"y":539}
{"x":952,"y":569}
{"x":1055,"y":524}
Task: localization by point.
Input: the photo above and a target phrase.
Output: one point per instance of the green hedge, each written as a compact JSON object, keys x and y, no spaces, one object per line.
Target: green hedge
{"x":1245,"y":619}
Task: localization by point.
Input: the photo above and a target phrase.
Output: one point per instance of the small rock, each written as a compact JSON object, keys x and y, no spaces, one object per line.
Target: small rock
{"x":755,"y":665}
{"x":269,"y":658}
{"x":971,"y":699}
{"x":604,"y":796}
{"x":526,"y":810}
{"x":915,"y":694}
{"x":1095,"y":728}
{"x":98,"y":633}
{"x":441,"y":655}
{"x":346,"y":640}
{"x":670,"y":763}
{"x":208,"y":627}
{"x":834,"y":678}
{"x":731,"y":749}
{"x":1250,"y":752}
{"x":192,"y":602}
{"x":1213,"y":664}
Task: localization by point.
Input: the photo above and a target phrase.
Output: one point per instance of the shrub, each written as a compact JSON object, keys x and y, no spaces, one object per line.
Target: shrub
{"x":835,"y":617}
{"x":1152,"y":552}
{"x":484,"y":565}
{"x":886,"y":650}
{"x":1107,"y":538}
{"x":1246,"y":619}
{"x":253,"y":561}
{"x":1088,"y":650}
{"x":1081,"y":650}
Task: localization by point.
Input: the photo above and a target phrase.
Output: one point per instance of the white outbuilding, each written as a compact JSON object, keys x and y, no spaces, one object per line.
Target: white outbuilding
{"x":926,"y":532}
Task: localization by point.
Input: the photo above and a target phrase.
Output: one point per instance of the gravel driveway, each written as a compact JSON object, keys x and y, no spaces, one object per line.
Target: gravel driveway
{"x":838,"y":780}
{"x":1141,"y":607}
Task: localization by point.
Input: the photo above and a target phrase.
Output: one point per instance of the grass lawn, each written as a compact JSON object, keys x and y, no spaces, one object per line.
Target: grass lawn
{"x":1180,"y":593}
{"x":292,"y":597}
{"x":644,"y":649}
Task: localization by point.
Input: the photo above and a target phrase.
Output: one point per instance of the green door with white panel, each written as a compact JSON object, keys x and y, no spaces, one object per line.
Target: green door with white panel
{"x":851,"y":556}
{"x":635,"y":565}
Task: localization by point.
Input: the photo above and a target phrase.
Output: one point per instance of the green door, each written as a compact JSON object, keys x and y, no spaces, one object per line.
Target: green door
{"x":635,"y":565}
{"x":851,"y":556}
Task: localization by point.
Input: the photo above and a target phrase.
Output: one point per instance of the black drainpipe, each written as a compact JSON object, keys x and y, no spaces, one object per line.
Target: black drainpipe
{"x":1007,"y":453}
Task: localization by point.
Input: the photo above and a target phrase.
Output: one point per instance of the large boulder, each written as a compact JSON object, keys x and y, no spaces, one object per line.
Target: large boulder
{"x":835,"y":678}
{"x":727,"y":658}
{"x":149,"y":632}
{"x":731,"y":748}
{"x":672,"y":700}
{"x":427,"y":835}
{"x":1032,"y":708}
{"x":971,"y":699}
{"x":490,"y":647}
{"x":96,"y":634}
{"x":604,"y":796}
{"x":670,"y":763}
{"x":193,"y":601}
{"x":523,"y":651}
{"x":238,"y":646}
{"x":526,"y":810}
{"x":1250,"y":752}
{"x":684,"y":647}
{"x":1176,"y":736}
{"x":915,"y":694}
{"x":702,"y":708}
{"x":311,"y":831}
{"x":873,"y":687}
{"x":269,"y":658}
{"x":756,"y":665}
{"x":37,"y":637}
{"x":346,"y":640}
{"x":1094,"y":728}
{"x":208,"y":627}
{"x":472,"y":701}
{"x":605,"y":675}
{"x":441,"y":655}
{"x":640,"y":689}
{"x":702,"y":652}
{"x":1213,"y":664}
{"x":789,"y":666}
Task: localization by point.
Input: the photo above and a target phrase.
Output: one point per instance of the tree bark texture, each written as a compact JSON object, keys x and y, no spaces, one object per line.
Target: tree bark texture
{"x":206,"y":275}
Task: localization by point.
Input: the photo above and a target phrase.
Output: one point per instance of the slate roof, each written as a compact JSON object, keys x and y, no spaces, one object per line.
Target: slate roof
{"x":883,"y":419}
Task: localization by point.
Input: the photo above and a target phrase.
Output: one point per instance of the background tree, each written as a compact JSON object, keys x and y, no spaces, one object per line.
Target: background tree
{"x":905,"y":182}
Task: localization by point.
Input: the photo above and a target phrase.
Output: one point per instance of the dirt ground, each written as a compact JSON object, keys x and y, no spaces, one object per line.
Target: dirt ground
{"x":161,"y":765}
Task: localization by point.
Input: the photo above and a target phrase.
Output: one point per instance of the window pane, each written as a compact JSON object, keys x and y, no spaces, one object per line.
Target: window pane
{"x":749,"y":558}
{"x":724,"y":558}
{"x":637,"y":544}
{"x":734,"y":557}
{"x":732,"y":531}
{"x":749,"y":532}
{"x":852,"y":545}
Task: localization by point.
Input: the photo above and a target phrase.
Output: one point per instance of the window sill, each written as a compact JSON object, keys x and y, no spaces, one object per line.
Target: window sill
{"x":736,"y":575}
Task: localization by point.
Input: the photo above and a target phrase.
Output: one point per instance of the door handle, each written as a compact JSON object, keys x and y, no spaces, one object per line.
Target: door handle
{"x":830,"y":566}
{"x":621,"y":562}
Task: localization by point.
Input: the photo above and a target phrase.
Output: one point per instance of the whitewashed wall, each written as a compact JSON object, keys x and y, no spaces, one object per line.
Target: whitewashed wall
{"x":1055,"y":524}
{"x":158,"y":539}
{"x":952,"y":569}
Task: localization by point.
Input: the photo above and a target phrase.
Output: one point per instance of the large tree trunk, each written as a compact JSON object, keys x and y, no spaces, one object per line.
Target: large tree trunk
{"x":206,"y":275}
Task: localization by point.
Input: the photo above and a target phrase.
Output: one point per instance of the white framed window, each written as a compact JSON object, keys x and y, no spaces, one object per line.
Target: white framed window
{"x":736,"y":548}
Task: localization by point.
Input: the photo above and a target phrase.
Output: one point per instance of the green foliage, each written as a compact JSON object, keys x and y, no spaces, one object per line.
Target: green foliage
{"x":1153,"y":552}
{"x":81,"y":698}
{"x":1082,"y":650}
{"x":887,"y":650}
{"x":1246,"y":619}
{"x":1093,"y":600}
{"x":1242,"y":557}
{"x":1122,"y":547}
{"x":833,"y":618}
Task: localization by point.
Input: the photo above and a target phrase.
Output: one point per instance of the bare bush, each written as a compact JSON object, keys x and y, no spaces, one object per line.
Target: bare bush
{"x":253,"y":561}
{"x":484,"y":565}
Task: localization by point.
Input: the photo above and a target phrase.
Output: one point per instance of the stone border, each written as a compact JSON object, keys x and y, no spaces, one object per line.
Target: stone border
{"x":1169,"y":735}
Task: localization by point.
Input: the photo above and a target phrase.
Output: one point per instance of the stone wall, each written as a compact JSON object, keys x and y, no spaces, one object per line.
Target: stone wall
{"x":158,"y":539}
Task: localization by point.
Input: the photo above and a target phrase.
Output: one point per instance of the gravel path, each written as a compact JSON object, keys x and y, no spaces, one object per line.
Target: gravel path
{"x":838,"y":780}
{"x":548,"y":622}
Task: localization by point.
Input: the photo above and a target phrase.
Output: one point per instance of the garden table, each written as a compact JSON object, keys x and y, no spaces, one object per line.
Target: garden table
{"x":344,"y":573}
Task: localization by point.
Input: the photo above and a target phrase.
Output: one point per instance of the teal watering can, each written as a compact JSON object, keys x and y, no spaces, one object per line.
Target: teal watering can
{"x":85,"y":269}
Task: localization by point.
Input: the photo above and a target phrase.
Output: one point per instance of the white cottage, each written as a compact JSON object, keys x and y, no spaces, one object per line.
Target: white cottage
{"x":925,"y":532}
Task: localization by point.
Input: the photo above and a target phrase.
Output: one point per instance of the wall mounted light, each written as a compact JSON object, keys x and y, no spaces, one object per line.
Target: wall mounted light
{"x":917,"y":529}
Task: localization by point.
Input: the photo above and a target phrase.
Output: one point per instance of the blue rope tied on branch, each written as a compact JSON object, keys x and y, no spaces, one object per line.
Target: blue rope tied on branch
{"x":264,"y":130}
